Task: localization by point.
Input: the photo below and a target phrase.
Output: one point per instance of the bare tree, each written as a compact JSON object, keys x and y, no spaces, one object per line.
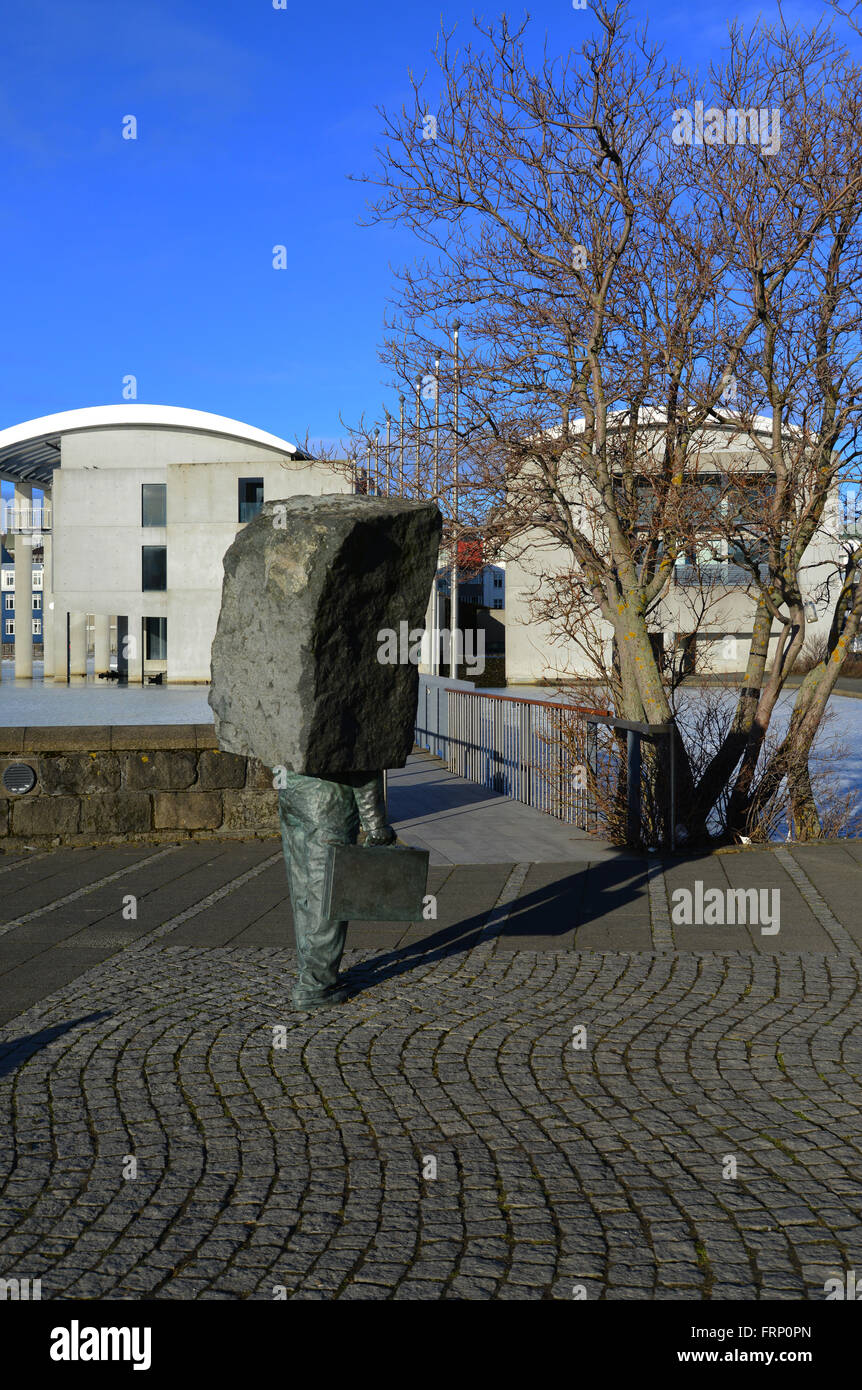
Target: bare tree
{"x":614,"y":278}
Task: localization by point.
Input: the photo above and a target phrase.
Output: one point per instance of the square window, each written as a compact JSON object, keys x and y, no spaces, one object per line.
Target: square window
{"x":154,"y":504}
{"x":37,"y":602}
{"x":10,"y":600}
{"x":37,"y":627}
{"x":10,"y":627}
{"x":154,"y":567}
{"x":250,"y":498}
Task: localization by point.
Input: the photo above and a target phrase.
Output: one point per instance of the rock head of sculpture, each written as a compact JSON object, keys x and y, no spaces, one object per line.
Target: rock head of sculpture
{"x":308,"y":586}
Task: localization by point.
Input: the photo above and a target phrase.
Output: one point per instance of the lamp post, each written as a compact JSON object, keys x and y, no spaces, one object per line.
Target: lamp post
{"x":418,"y":484}
{"x":453,"y":573}
{"x":388,"y":453}
{"x":377,"y":462}
{"x":435,"y":605}
{"x":401,"y":446}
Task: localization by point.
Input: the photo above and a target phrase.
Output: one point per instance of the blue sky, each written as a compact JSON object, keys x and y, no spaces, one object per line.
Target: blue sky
{"x":154,"y":257}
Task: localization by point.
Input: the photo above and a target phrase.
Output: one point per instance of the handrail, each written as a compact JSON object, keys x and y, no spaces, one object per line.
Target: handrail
{"x":525,"y":700}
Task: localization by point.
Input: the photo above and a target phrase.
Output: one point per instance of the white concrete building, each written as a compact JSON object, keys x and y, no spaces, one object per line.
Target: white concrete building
{"x":141,"y":503}
{"x":716,"y":640}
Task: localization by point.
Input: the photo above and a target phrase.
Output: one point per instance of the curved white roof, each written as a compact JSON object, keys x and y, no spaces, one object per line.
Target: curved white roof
{"x":30,"y":452}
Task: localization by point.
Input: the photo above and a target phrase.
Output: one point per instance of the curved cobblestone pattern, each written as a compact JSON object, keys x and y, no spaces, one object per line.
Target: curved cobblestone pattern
{"x":304,"y":1168}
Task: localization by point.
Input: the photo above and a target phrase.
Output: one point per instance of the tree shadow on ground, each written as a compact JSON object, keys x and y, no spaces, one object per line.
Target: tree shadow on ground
{"x":551,"y":911}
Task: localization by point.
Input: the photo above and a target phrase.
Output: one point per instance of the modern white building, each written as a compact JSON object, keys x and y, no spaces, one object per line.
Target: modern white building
{"x":140,"y":503}
{"x":707,"y":612}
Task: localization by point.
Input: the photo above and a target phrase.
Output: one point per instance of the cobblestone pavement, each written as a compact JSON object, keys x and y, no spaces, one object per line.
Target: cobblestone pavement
{"x":301,"y":1161}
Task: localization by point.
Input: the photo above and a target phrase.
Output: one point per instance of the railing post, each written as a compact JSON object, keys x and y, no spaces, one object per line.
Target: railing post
{"x":593,"y":761}
{"x":524,"y":776}
{"x":633,"y":787}
{"x":672,"y":773}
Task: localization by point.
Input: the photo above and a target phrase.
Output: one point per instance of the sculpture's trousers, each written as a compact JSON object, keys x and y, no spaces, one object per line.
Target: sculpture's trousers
{"x":314,"y":813}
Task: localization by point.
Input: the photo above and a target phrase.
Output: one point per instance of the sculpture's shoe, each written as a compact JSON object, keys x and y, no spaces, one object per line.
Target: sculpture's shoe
{"x":306,"y":1003}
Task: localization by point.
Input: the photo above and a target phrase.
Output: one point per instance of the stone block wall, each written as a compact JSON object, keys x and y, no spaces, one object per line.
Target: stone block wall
{"x":101,"y":785}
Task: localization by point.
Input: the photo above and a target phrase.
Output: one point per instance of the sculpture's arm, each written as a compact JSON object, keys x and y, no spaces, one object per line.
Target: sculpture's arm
{"x":372,"y":812}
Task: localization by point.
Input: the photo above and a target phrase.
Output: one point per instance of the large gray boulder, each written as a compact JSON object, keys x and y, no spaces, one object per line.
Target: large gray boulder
{"x":308,"y":586}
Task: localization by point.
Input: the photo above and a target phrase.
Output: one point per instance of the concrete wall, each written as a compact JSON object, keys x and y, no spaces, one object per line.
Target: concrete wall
{"x":534,"y":653}
{"x":107,"y":785}
{"x":98,"y":533}
{"x":202,"y":525}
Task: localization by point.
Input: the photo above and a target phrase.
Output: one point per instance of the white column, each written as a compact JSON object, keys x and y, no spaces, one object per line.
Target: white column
{"x":102,"y":644}
{"x":23,"y":588}
{"x":78,"y":645}
{"x":47,"y":600}
{"x":60,"y":645}
{"x":136,"y":655}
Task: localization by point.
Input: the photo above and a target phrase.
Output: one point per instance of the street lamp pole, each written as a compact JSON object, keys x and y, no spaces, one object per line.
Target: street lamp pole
{"x":401,"y":447}
{"x":388,"y":453}
{"x":435,"y":605}
{"x":418,"y":488}
{"x":453,"y":573}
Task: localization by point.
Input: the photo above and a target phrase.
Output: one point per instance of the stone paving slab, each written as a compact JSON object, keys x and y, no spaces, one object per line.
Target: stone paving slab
{"x":213,"y":894}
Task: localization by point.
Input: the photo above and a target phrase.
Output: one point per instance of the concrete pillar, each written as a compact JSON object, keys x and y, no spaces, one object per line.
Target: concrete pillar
{"x":78,"y":644}
{"x":23,"y":590}
{"x":136,"y":655}
{"x":102,"y":643}
{"x":60,"y":641}
{"x":47,"y":600}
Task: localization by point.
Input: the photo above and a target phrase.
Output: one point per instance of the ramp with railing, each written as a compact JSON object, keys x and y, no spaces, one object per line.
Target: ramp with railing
{"x":535,"y":751}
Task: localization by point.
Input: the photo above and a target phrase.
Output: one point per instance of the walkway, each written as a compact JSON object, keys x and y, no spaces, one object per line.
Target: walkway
{"x":549,"y":1091}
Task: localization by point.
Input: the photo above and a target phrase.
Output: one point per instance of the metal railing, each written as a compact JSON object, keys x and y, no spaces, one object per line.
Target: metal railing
{"x":650,"y":804}
{"x":535,"y":751}
{"x":24,"y":517}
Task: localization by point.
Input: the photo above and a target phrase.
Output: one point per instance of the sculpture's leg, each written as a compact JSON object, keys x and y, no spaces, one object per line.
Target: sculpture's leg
{"x":315,"y":814}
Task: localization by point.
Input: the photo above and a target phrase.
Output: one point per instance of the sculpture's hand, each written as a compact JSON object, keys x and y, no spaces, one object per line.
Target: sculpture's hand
{"x":372,"y":812}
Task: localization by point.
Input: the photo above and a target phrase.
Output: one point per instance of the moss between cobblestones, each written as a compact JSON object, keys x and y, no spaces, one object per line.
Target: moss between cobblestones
{"x":703,"y":1263}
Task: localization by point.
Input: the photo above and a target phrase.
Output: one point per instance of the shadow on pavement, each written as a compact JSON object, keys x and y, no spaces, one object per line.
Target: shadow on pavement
{"x":19,"y":1050}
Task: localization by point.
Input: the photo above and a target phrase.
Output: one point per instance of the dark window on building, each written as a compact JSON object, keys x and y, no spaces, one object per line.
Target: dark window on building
{"x":686,"y":644}
{"x":156,"y":639}
{"x":154,"y":567}
{"x":250,"y":498}
{"x":154,"y":504}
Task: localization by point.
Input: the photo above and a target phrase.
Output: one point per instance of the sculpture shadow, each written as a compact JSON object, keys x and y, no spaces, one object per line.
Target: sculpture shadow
{"x":19,"y":1050}
{"x":554,"y":910}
